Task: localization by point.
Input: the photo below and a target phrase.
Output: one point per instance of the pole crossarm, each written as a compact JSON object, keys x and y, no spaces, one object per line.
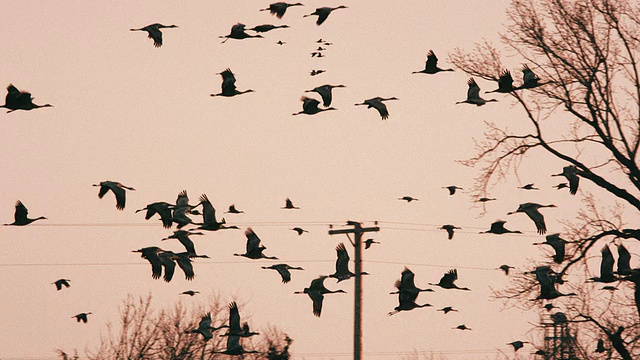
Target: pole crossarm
{"x":353,"y":231}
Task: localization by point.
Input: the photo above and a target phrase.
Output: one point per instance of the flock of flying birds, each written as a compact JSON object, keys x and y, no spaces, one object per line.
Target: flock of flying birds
{"x":164,"y":262}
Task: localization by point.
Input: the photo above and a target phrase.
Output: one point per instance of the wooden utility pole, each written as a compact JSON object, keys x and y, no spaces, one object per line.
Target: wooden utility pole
{"x":357,"y":230}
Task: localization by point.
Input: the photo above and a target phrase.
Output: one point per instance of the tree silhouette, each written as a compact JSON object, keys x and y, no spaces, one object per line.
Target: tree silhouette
{"x":579,"y":101}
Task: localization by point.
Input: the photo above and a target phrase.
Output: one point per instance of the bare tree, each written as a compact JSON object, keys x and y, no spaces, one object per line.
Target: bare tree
{"x":579,"y":99}
{"x":166,"y":334}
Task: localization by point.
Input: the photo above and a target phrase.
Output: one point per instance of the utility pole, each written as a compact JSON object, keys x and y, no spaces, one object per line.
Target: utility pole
{"x":357,"y":230}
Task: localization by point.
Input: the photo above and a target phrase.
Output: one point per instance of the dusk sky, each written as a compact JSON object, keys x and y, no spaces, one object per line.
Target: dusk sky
{"x":126,"y":111}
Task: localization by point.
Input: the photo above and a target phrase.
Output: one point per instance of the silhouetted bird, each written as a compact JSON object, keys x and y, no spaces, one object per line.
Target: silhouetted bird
{"x":528,"y":187}
{"x":342,"y":265}
{"x":517,"y":345}
{"x":183,"y":237}
{"x":408,"y":199}
{"x":234,"y":323}
{"x":317,"y":54}
{"x":407,"y":283}
{"x":151,"y":254}
{"x":473,"y":95}
{"x":571,"y":174}
{"x":279,"y":42}
{"x":561,"y":186}
{"x":505,"y":83}
{"x":531,"y":209}
{"x":289,"y":204}
{"x":448,"y":281}
{"x":447,"y":309}
{"x":316,"y":291}
{"x":529,"y":79}
{"x":20,"y":215}
{"x":205,"y":329}
{"x":310,"y":106}
{"x":81,"y":317}
{"x":431,"y":66}
{"x":461,"y":327}
{"x":317,"y":72}
{"x":485,"y":199}
{"x":238,"y":33}
{"x":325,"y":92}
{"x":323,"y":13}
{"x":452,"y":189}
{"x":450,"y":230}
{"x":19,"y":100}
{"x":209,"y":221}
{"x":283,"y":270}
{"x":161,"y":208}
{"x":369,"y":242}
{"x":279,"y":8}
{"x":190,"y":292}
{"x":229,"y":85}
{"x":154,"y":32}
{"x":60,"y":282}
{"x":233,"y":210}
{"x":254,"y":249}
{"x":548,"y":279}
{"x":558,"y":245}
{"x":505,"y":268}
{"x":267,"y":27}
{"x":377,"y":103}
{"x":606,"y":267}
{"x":497,"y":227}
{"x":169,"y":260}
{"x":600,"y":347}
{"x":118,"y":190}
{"x":182,"y":208}
{"x":299,"y":230}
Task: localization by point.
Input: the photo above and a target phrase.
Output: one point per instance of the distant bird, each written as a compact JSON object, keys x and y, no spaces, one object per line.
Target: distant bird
{"x":531,"y":209}
{"x":517,"y":345}
{"x":448,"y":280}
{"x":267,"y":27}
{"x":570,"y":173}
{"x":316,"y":291}
{"x":289,"y":204}
{"x":81,"y":317}
{"x":377,"y":103}
{"x":473,"y":95}
{"x":447,"y":309}
{"x":606,"y":267}
{"x":233,"y":210}
{"x":407,"y":302}
{"x":238,"y":33}
{"x":234,"y":323}
{"x":505,"y":268}
{"x":19,"y":100}
{"x":561,"y":186}
{"x":280,"y":42}
{"x":325,"y":93}
{"x":461,"y":327}
{"x":254,"y":249}
{"x":529,"y":79}
{"x":624,"y":260}
{"x":505,"y":83}
{"x":609,"y":287}
{"x":485,"y":199}
{"x":229,"y":85}
{"x":497,"y":227}
{"x":183,"y":237}
{"x":549,"y":306}
{"x":558,"y":245}
{"x":161,"y":208}
{"x":190,"y":292}
{"x":283,"y":270}
{"x":299,"y":230}
{"x":408,"y":199}
{"x":431,"y":66}
{"x":60,"y":282}
{"x":528,"y":187}
{"x":118,"y":190}
{"x":317,"y":54}
{"x":369,"y":242}
{"x":452,"y":189}
{"x":310,"y":106}
{"x":209,"y":221}
{"x":342,"y":264}
{"x":450,"y":229}
{"x":151,"y":254}
{"x":279,"y":8}
{"x":205,"y":329}
{"x":406,"y":283}
{"x":154,"y":32}
{"x":600,"y":347}
{"x":20,"y":215}
{"x":323,"y":13}
{"x":317,"y":72}
{"x":320,"y":48}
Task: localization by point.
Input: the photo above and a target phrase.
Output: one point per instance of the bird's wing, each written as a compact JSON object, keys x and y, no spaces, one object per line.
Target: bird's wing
{"x":382,"y":109}
{"x":538,"y":219}
{"x":506,"y":81}
{"x":309,"y":104}
{"x":317,"y":298}
{"x":234,"y":318}
{"x":103,"y":191}
{"x":188,"y":244}
{"x":606,"y":266}
{"x":624,"y":259}
{"x":185,"y":264}
{"x":156,"y":35}
{"x":342,"y":263}
{"x":407,"y":279}
{"x":432,"y":61}
{"x":474,"y":90}
{"x":183,"y":199}
{"x":169,"y":267}
{"x":208,"y":211}
{"x":325,"y":92}
{"x":253,"y":241}
{"x":21,"y":211}
{"x":120,"y":197}
{"x":322,"y":16}
{"x":284,"y":273}
{"x":156,"y":265}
